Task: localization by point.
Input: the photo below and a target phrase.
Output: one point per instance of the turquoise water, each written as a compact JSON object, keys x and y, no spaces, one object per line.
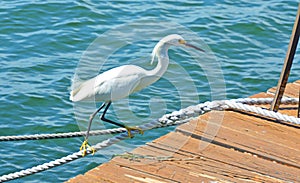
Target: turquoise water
{"x":43,"y":44}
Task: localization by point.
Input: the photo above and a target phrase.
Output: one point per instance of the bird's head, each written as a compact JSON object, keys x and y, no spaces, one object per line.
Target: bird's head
{"x":172,"y":40}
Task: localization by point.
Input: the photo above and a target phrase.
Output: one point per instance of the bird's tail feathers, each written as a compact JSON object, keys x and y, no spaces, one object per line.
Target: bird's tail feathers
{"x":76,"y":86}
{"x":73,"y":93}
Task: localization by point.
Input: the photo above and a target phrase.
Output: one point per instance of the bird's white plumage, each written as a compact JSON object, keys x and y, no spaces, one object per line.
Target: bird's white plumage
{"x":121,"y":81}
{"x":111,"y":85}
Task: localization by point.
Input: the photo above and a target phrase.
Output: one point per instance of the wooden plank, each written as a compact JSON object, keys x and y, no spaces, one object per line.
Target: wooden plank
{"x":266,"y":139}
{"x":235,"y":163}
{"x":215,"y":162}
{"x":263,"y":95}
{"x":292,"y":90}
{"x":110,"y":173}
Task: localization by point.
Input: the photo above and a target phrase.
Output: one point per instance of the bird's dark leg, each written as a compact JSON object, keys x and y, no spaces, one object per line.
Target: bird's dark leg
{"x":85,"y":144}
{"x":91,"y":119}
{"x":118,"y":124}
{"x":108,"y":120}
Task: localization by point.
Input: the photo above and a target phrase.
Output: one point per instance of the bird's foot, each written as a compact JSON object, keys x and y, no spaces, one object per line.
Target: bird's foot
{"x":85,"y":145}
{"x":129,"y":129}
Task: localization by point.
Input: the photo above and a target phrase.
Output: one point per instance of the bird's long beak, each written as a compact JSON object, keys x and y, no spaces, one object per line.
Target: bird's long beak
{"x":192,"y":46}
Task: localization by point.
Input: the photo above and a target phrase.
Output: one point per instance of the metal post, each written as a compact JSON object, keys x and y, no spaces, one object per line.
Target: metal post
{"x":287,"y":63}
{"x":299,"y":105}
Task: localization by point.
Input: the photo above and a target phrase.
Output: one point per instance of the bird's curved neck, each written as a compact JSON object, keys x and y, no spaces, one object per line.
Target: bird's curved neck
{"x":163,"y":61}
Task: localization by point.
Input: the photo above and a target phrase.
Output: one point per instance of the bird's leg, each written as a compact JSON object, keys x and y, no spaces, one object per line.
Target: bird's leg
{"x":85,"y":145}
{"x":129,"y":129}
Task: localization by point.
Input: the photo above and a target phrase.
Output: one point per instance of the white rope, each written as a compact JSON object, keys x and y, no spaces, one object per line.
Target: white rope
{"x":61,"y":135}
{"x":260,"y":101}
{"x":263,"y":112}
{"x":176,"y":117}
{"x":180,"y":115}
{"x":240,"y":104}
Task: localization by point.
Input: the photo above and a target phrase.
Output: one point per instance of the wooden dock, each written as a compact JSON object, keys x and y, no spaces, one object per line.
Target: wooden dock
{"x":246,"y":148}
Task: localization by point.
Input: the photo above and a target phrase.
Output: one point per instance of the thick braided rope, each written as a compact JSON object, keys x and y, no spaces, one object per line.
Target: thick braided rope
{"x":40,"y":168}
{"x":176,"y":117}
{"x":263,"y":112}
{"x":258,"y":101}
{"x":240,"y":104}
{"x":61,"y":135}
{"x":58,"y":162}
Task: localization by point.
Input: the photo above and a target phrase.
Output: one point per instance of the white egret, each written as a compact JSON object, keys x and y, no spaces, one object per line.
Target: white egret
{"x":119,"y":82}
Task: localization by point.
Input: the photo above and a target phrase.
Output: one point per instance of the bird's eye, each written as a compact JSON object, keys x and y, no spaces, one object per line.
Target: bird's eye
{"x":181,"y":41}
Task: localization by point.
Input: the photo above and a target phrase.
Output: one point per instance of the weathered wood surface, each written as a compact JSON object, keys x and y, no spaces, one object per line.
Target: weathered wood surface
{"x":223,"y":146}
